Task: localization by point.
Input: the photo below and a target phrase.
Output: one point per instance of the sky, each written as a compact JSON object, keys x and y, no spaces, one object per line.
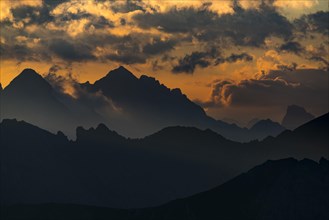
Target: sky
{"x":238,"y":59}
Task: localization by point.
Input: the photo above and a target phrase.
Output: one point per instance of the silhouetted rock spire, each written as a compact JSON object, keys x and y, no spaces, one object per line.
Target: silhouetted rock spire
{"x":296,"y":116}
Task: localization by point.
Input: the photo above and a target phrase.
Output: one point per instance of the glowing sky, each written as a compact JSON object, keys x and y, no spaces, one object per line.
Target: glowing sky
{"x":238,"y":59}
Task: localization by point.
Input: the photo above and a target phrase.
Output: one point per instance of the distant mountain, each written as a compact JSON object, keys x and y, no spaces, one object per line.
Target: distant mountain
{"x":30,"y":97}
{"x":264,"y":128}
{"x":148,"y":106}
{"x":134,"y":107}
{"x":283,"y":189}
{"x":105,"y":169}
{"x":295,"y":116}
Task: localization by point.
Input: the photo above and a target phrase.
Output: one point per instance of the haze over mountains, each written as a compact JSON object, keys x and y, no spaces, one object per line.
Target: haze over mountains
{"x":298,"y":189}
{"x":182,"y":152}
{"x":134,"y":107}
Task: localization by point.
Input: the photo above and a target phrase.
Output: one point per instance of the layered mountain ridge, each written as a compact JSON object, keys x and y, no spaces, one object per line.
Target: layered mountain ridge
{"x":103,"y":168}
{"x":134,"y":107}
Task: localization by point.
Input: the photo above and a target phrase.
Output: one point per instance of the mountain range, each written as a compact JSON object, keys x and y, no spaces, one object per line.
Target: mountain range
{"x":134,"y":107}
{"x":103,"y":168}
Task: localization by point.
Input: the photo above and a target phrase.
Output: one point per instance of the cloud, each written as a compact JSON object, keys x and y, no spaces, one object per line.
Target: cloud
{"x":189,"y":62}
{"x":292,"y":46}
{"x":68,"y":87}
{"x":245,"y":27}
{"x":127,"y":6}
{"x":158,"y":46}
{"x":7,"y":7}
{"x":312,"y":23}
{"x":277,"y":89}
{"x":176,"y":20}
{"x":141,"y":32}
{"x":203,"y":59}
{"x":234,"y":58}
{"x":69,"y":51}
{"x":322,"y":60}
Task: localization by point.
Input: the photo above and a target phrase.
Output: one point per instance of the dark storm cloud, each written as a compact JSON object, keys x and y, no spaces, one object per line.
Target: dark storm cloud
{"x":279,"y":88}
{"x":13,"y":48}
{"x":176,"y":20}
{"x":197,"y":26}
{"x":234,"y":58}
{"x":32,"y":15}
{"x":42,"y":15}
{"x":70,"y":51}
{"x":292,"y":46}
{"x":189,"y":62}
{"x":127,"y":49}
{"x":316,"y":22}
{"x":54,"y":3}
{"x":18,"y":52}
{"x":159,"y":46}
{"x":246,"y":27}
{"x":128,"y":6}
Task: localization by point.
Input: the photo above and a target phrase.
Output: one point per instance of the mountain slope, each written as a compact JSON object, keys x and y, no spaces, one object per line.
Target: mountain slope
{"x":284,"y":189}
{"x":309,"y":139}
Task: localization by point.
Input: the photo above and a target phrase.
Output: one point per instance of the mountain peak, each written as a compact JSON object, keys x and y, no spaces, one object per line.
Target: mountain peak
{"x":121,"y":73}
{"x":29,"y":81}
{"x":295,"y":109}
{"x":296,"y":116}
{"x":30,"y":75}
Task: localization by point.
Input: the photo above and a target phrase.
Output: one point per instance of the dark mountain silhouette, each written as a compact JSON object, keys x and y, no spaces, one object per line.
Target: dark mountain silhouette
{"x":147,"y":102}
{"x":264,"y":128}
{"x":144,"y":101}
{"x":310,"y":138}
{"x":105,"y":169}
{"x":283,"y":189}
{"x":295,"y":116}
{"x":31,"y":98}
{"x":100,"y":168}
{"x":134,"y":107}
